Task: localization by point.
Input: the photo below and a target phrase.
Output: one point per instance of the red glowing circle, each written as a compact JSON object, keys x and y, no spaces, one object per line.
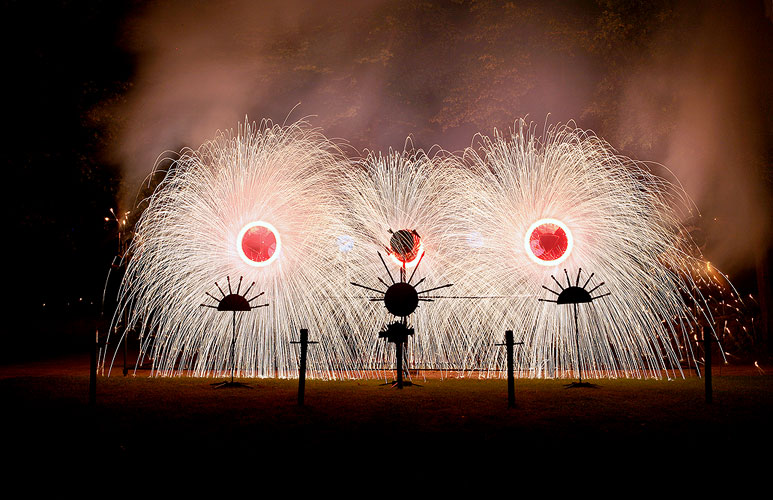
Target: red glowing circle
{"x":258,"y":243}
{"x":548,"y":242}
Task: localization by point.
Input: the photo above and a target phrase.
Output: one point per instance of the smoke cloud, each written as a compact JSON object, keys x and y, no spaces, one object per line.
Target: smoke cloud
{"x":682,"y":90}
{"x":697,"y":106}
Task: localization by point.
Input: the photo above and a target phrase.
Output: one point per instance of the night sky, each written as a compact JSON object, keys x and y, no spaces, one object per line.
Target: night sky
{"x":62,"y":61}
{"x":97,"y":90}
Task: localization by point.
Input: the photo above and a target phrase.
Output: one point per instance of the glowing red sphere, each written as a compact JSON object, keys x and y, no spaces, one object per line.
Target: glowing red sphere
{"x":405,"y":247}
{"x":548,"y":242}
{"x":258,"y":243}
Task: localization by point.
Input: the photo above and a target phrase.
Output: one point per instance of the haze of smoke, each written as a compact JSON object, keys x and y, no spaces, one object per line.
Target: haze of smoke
{"x":374,"y":72}
{"x":698,"y":108}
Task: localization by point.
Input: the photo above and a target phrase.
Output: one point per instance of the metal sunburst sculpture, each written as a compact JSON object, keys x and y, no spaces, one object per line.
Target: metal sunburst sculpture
{"x":401,"y":297}
{"x":575,"y":294}
{"x":233,"y":302}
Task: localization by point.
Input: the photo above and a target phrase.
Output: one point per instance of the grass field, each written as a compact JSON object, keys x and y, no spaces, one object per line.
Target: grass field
{"x":137,"y":417}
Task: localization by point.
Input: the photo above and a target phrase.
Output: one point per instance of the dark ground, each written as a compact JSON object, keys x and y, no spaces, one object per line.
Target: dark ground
{"x":137,"y":418}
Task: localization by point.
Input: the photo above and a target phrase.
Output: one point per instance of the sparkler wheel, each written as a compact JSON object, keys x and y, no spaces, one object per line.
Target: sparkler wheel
{"x":401,"y":299}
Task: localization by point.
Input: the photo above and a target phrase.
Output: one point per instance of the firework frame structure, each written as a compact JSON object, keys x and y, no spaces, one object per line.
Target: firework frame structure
{"x":401,"y":298}
{"x":233,"y":302}
{"x":575,"y":294}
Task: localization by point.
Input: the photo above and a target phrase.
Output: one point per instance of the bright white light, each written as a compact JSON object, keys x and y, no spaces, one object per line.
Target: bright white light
{"x":345,"y":243}
{"x":278,"y":178}
{"x":632,"y":239}
{"x":475,"y":240}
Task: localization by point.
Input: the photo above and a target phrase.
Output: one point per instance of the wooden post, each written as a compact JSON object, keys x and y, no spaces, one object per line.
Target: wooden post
{"x":302,"y":372}
{"x":510,"y":343}
{"x":125,"y":315}
{"x":706,"y":340}
{"x":304,"y":342}
{"x":510,"y":376}
{"x":93,"y":372}
{"x":125,"y":350}
{"x":707,"y":366}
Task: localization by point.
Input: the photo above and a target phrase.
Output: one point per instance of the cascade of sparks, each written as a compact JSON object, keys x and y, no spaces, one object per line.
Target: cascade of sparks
{"x":407,"y":191}
{"x":281,"y":207}
{"x":187,"y":239}
{"x":625,"y":227}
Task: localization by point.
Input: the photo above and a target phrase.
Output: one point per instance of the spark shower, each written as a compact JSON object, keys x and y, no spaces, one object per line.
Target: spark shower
{"x":283,"y":207}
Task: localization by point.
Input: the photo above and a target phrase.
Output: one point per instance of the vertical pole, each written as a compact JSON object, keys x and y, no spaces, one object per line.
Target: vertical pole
{"x":399,"y":351}
{"x":233,"y":345}
{"x":707,"y":366}
{"x":510,"y":376}
{"x":125,"y":349}
{"x":93,"y":372}
{"x":302,"y":372}
{"x":577,"y":341}
{"x":125,"y":316}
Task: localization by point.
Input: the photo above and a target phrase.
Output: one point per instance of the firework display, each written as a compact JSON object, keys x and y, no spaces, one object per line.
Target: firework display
{"x":251,"y":203}
{"x":281,"y":207}
{"x":397,"y":204}
{"x":550,"y":205}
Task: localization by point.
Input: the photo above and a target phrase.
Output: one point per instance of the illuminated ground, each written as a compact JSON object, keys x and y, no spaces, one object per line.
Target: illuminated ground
{"x":137,"y":416}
